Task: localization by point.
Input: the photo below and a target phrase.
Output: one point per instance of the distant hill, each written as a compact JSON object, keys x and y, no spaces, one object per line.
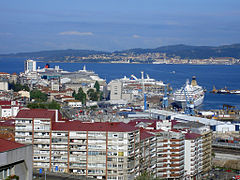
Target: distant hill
{"x":192,"y":52}
{"x":181,"y":50}
{"x":54,"y":54}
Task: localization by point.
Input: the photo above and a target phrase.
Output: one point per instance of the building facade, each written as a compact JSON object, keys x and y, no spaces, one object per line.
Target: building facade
{"x":193,"y":156}
{"x":30,"y":66}
{"x":112,"y":150}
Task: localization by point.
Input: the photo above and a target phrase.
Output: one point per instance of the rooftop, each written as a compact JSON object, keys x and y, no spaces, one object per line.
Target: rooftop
{"x":192,"y":136}
{"x":7,"y":103}
{"x":189,"y":124}
{"x":36,"y":113}
{"x":9,"y":145}
{"x":144,"y":134}
{"x":96,"y":126}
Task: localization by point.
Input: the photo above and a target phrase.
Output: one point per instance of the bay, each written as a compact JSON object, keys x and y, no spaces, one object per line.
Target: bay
{"x":208,"y":76}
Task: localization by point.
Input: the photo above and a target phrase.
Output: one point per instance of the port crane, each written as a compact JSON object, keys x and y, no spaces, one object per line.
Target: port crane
{"x":189,"y":109}
{"x":165,"y":98}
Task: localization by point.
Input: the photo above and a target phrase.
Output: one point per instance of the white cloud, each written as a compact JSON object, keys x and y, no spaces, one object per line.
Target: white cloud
{"x":76,"y":33}
{"x":136,"y":36}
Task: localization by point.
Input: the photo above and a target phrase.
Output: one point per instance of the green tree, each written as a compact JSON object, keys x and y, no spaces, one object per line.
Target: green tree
{"x":90,"y":91}
{"x":18,"y":87}
{"x":38,"y":95}
{"x":93,"y":95}
{"x":74,"y":93}
{"x":53,"y":105}
{"x":146,"y":176}
{"x":81,"y":96}
{"x":97,"y":86}
{"x":33,"y":106}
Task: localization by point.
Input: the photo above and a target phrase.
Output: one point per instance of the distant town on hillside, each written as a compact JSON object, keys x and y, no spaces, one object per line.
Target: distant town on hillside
{"x":174,"y":54}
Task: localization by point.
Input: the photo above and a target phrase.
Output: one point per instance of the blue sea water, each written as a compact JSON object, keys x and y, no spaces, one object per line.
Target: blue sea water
{"x":208,"y":76}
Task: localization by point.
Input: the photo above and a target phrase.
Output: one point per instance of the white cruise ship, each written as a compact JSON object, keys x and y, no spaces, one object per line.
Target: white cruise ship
{"x":192,"y":92}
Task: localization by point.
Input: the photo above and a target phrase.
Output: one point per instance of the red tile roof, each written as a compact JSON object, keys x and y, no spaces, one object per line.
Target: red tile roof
{"x":155,"y":130}
{"x":192,"y":136}
{"x":144,"y":134}
{"x":97,"y":126}
{"x":175,"y":130}
{"x":9,"y":145}
{"x":6,"y":107}
{"x":36,"y":113}
{"x":7,"y":103}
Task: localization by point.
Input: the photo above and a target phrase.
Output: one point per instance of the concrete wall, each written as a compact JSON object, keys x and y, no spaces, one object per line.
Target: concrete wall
{"x":21,"y":159}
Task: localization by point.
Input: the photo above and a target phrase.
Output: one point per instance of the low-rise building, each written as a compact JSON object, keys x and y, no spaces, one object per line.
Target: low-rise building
{"x":73,"y":103}
{"x":16,"y":160}
{"x":9,"y":109}
{"x":3,"y":85}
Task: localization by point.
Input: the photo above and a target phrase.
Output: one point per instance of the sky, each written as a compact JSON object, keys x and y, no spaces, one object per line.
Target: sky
{"x":109,"y":25}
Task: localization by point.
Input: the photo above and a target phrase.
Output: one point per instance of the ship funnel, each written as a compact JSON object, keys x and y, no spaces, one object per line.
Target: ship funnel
{"x":194,"y":82}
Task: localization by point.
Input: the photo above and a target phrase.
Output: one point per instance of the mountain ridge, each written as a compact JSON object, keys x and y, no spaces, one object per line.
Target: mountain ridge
{"x":181,"y":50}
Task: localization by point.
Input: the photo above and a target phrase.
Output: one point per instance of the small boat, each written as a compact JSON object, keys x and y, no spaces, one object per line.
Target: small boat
{"x":235,"y":92}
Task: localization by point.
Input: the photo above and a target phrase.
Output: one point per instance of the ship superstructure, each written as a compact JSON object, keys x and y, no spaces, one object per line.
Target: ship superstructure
{"x":189,"y":92}
{"x":128,"y":88}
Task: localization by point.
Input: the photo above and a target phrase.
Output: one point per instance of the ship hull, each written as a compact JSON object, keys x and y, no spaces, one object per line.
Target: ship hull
{"x":182,"y":103}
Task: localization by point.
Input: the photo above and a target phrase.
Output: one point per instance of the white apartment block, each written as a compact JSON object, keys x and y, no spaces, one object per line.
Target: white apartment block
{"x":3,"y":85}
{"x":193,"y":156}
{"x":30,"y":66}
{"x":115,"y":90}
{"x":107,"y":150}
{"x":100,"y":150}
{"x":170,"y":154}
{"x":8,"y":109}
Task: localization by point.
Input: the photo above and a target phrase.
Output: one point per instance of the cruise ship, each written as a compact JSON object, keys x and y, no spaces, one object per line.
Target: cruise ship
{"x":190,"y":92}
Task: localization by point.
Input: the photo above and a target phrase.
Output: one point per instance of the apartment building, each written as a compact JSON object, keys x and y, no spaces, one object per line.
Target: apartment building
{"x":170,"y":154}
{"x":34,"y":127}
{"x":113,"y":150}
{"x":193,"y":156}
{"x":100,"y":150}
{"x":206,"y":143}
{"x":147,"y":152}
{"x":207,"y":151}
{"x":162,"y":149}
